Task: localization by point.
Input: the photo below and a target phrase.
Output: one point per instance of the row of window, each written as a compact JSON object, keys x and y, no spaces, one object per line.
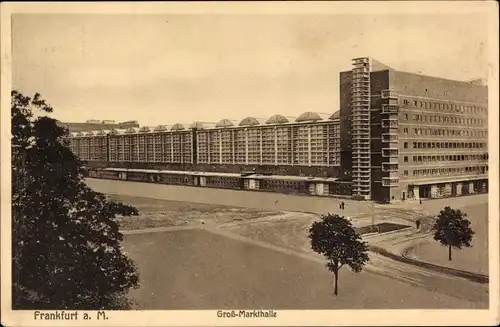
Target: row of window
{"x":455,"y":157}
{"x":269,"y":184}
{"x":446,"y":145}
{"x":388,"y":138}
{"x":223,"y":181}
{"x":143,"y":148}
{"x":448,"y":120}
{"x":178,"y":150}
{"x":285,"y":156}
{"x":171,"y":179}
{"x":89,"y":148}
{"x":390,"y":181}
{"x":390,"y":167}
{"x":445,"y":106}
{"x":320,"y":143}
{"x":447,"y":132}
{"x":448,"y":171}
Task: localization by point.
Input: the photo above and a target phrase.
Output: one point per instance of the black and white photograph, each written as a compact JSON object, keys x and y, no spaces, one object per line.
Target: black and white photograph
{"x":239,"y":163}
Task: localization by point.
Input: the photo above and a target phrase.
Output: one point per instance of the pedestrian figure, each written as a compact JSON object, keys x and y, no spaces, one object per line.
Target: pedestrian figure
{"x":340,"y":205}
{"x":343,"y":205}
{"x":417,"y":223}
{"x":420,"y":201}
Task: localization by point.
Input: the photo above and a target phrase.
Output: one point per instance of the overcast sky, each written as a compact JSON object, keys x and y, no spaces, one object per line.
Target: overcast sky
{"x":163,"y":69}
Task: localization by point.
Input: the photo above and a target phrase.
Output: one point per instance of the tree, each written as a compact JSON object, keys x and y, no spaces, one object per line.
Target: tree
{"x":66,"y":251}
{"x":452,"y":229}
{"x":336,"y":239}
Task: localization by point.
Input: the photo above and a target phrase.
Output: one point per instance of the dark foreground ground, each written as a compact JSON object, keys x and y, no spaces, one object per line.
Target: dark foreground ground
{"x":196,"y":269}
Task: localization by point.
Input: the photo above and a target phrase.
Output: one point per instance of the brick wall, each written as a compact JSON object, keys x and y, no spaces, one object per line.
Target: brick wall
{"x":438,"y":88}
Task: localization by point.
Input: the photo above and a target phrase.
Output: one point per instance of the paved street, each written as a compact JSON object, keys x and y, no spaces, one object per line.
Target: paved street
{"x":436,"y":205}
{"x":271,"y":201}
{"x":246,"y":199}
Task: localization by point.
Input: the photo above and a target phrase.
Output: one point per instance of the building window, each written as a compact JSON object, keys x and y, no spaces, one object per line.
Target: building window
{"x":406,"y":145}
{"x":406,"y":116}
{"x":405,"y":173}
{"x":405,"y":159}
{"x":405,"y":130}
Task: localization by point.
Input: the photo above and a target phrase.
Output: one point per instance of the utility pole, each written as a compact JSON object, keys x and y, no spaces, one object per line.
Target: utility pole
{"x":373,"y":215}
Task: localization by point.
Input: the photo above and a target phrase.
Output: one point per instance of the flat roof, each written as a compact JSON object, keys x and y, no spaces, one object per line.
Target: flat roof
{"x":217,"y":174}
{"x":176,"y":172}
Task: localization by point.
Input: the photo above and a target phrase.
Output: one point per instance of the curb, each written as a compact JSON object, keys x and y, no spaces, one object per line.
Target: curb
{"x":374,"y":234}
{"x":474,"y":277}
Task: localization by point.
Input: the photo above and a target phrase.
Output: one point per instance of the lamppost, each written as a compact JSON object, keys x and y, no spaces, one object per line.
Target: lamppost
{"x":373,"y":215}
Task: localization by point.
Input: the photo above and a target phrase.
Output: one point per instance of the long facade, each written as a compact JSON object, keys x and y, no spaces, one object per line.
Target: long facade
{"x":310,"y":141}
{"x":398,"y":136}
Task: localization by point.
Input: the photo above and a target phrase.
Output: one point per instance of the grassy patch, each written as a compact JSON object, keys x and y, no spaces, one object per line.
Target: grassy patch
{"x":380,"y":228}
{"x":288,"y":233}
{"x":165,"y":213}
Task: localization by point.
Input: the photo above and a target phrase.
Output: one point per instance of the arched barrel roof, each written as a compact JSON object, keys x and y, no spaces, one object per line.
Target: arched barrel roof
{"x":177,"y":127}
{"x":224,"y":123}
{"x":117,"y":131}
{"x":309,"y":116}
{"x":196,"y":125}
{"x":277,"y":119}
{"x":249,"y":121}
{"x":131,"y":130}
{"x":335,"y":115}
{"x":103,"y":132}
{"x":160,"y":128}
{"x":201,"y":125}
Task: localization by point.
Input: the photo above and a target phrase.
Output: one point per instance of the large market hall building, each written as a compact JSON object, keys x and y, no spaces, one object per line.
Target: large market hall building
{"x":398,"y":136}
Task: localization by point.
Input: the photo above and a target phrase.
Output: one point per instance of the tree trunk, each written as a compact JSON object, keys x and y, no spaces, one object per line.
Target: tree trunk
{"x":336,"y":273}
{"x":449,"y":252}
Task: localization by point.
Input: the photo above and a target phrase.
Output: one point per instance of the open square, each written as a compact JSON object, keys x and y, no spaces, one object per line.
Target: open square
{"x":201,"y":270}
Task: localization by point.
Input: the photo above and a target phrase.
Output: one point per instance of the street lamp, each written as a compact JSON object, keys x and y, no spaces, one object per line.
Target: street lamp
{"x":373,"y":215}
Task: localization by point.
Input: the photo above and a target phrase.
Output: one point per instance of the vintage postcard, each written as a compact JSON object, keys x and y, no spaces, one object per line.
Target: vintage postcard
{"x":249,"y":163}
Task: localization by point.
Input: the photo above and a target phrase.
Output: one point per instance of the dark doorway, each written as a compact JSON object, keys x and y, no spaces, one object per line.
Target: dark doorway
{"x":425,"y":191}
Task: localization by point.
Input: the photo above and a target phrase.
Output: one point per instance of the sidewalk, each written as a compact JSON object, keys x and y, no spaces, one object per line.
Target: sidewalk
{"x":397,"y":245}
{"x":466,"y":259}
{"x":433,"y":206}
